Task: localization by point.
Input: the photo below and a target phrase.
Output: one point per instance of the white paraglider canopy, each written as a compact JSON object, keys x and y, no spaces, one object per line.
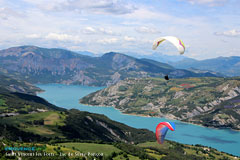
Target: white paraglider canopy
{"x":174,"y":40}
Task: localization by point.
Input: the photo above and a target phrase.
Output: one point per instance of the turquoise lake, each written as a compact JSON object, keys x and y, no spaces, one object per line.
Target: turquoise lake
{"x":67,"y":96}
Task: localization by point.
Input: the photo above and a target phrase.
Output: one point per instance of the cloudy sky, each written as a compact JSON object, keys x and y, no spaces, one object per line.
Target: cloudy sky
{"x":209,"y":28}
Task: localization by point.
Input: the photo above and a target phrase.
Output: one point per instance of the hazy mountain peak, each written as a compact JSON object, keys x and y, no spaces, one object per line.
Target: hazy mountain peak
{"x":225,"y":65}
{"x":112,"y":54}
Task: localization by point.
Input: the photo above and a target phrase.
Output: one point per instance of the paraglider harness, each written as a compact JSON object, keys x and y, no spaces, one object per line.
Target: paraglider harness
{"x":166,"y":77}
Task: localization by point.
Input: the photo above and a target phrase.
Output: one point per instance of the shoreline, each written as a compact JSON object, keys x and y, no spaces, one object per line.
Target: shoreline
{"x":142,"y":115}
{"x":37,"y":92}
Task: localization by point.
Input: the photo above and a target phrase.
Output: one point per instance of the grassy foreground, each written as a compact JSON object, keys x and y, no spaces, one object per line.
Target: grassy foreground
{"x":116,"y":151}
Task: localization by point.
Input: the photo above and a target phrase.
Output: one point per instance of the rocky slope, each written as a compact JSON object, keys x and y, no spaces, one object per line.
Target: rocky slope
{"x":15,"y":85}
{"x":41,"y":65}
{"x":208,"y":101}
{"x":90,"y":126}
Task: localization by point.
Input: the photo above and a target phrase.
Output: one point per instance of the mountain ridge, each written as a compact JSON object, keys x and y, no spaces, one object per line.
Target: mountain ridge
{"x":42,"y":65}
{"x":228,"y":66}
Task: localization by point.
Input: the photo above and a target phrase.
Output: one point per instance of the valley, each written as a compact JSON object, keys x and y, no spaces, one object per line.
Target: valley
{"x":29,"y":120}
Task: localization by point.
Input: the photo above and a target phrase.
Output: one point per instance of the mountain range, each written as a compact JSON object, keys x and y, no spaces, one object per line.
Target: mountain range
{"x":161,"y":57}
{"x":42,"y":65}
{"x":229,"y":66}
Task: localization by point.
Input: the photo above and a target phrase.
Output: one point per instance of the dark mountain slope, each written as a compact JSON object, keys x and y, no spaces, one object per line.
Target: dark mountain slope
{"x":89,"y":126}
{"x":12,"y":103}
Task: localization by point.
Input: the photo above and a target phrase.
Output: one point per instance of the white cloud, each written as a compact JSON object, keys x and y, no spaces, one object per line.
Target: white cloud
{"x":108,"y":40}
{"x":6,"y":12}
{"x":230,"y":33}
{"x":129,"y":39}
{"x":63,"y":37}
{"x":210,"y":3}
{"x":105,"y":31}
{"x":89,"y":30}
{"x":33,"y":36}
{"x":207,"y":2}
{"x":115,"y":7}
{"x":101,"y":30}
{"x":108,"y":31}
{"x":144,"y":13}
{"x":145,"y":29}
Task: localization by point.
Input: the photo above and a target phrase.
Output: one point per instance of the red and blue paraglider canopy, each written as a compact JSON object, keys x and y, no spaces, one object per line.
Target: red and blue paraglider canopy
{"x":161,"y":130}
